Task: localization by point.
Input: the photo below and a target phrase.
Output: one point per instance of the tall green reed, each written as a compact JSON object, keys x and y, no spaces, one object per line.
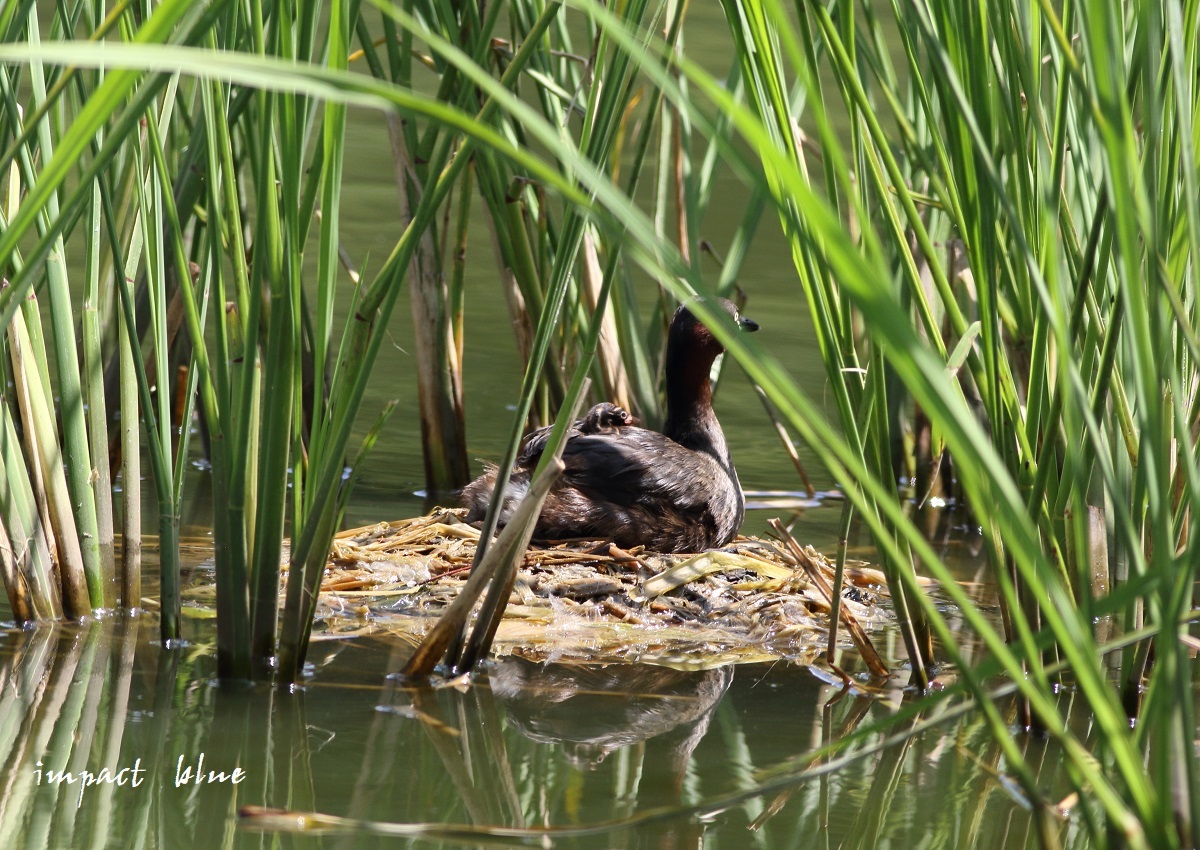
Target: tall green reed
{"x":204,"y":155}
{"x":1024,"y":146}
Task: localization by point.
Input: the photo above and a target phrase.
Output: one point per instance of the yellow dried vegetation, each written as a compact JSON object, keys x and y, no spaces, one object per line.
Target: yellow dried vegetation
{"x":586,"y":601}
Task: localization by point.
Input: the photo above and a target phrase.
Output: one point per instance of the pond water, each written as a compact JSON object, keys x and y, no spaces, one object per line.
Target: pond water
{"x":527,"y":754}
{"x":574,"y":756}
{"x":543,"y":755}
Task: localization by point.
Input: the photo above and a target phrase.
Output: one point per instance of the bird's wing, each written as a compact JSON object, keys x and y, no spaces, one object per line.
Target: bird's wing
{"x":531,"y":451}
{"x":637,"y":466}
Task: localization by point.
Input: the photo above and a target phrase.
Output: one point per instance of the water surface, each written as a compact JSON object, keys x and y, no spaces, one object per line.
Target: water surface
{"x":608,"y":755}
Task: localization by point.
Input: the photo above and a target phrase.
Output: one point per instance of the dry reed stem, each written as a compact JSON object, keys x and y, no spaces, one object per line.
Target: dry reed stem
{"x":805,"y":559}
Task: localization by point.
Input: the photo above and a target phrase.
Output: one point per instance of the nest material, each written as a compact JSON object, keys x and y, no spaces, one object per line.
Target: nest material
{"x":588,"y":601}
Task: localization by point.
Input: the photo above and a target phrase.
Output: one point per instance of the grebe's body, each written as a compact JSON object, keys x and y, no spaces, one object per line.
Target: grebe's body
{"x":671,"y":492}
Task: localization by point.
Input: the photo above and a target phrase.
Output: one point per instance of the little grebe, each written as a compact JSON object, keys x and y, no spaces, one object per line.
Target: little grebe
{"x":672,"y":492}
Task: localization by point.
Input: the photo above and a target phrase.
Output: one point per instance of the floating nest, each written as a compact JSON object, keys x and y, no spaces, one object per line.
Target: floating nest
{"x":586,"y":601}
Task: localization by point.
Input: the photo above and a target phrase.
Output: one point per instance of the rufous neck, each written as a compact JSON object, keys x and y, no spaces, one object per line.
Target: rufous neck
{"x":690,"y":419}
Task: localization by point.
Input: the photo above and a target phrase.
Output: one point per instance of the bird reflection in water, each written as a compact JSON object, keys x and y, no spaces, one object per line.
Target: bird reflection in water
{"x":591,"y":710}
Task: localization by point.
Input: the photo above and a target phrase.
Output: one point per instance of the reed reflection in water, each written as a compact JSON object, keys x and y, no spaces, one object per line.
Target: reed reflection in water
{"x":589,"y":756}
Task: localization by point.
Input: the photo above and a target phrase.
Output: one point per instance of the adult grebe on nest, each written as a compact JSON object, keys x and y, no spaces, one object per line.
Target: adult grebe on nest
{"x":671,"y":492}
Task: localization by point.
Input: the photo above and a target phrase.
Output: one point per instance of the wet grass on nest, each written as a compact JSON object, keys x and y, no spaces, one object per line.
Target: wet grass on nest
{"x":585,"y":600}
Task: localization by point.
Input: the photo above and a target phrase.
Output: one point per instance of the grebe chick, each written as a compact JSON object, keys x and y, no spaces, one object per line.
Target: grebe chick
{"x":603,"y":418}
{"x":671,"y":492}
